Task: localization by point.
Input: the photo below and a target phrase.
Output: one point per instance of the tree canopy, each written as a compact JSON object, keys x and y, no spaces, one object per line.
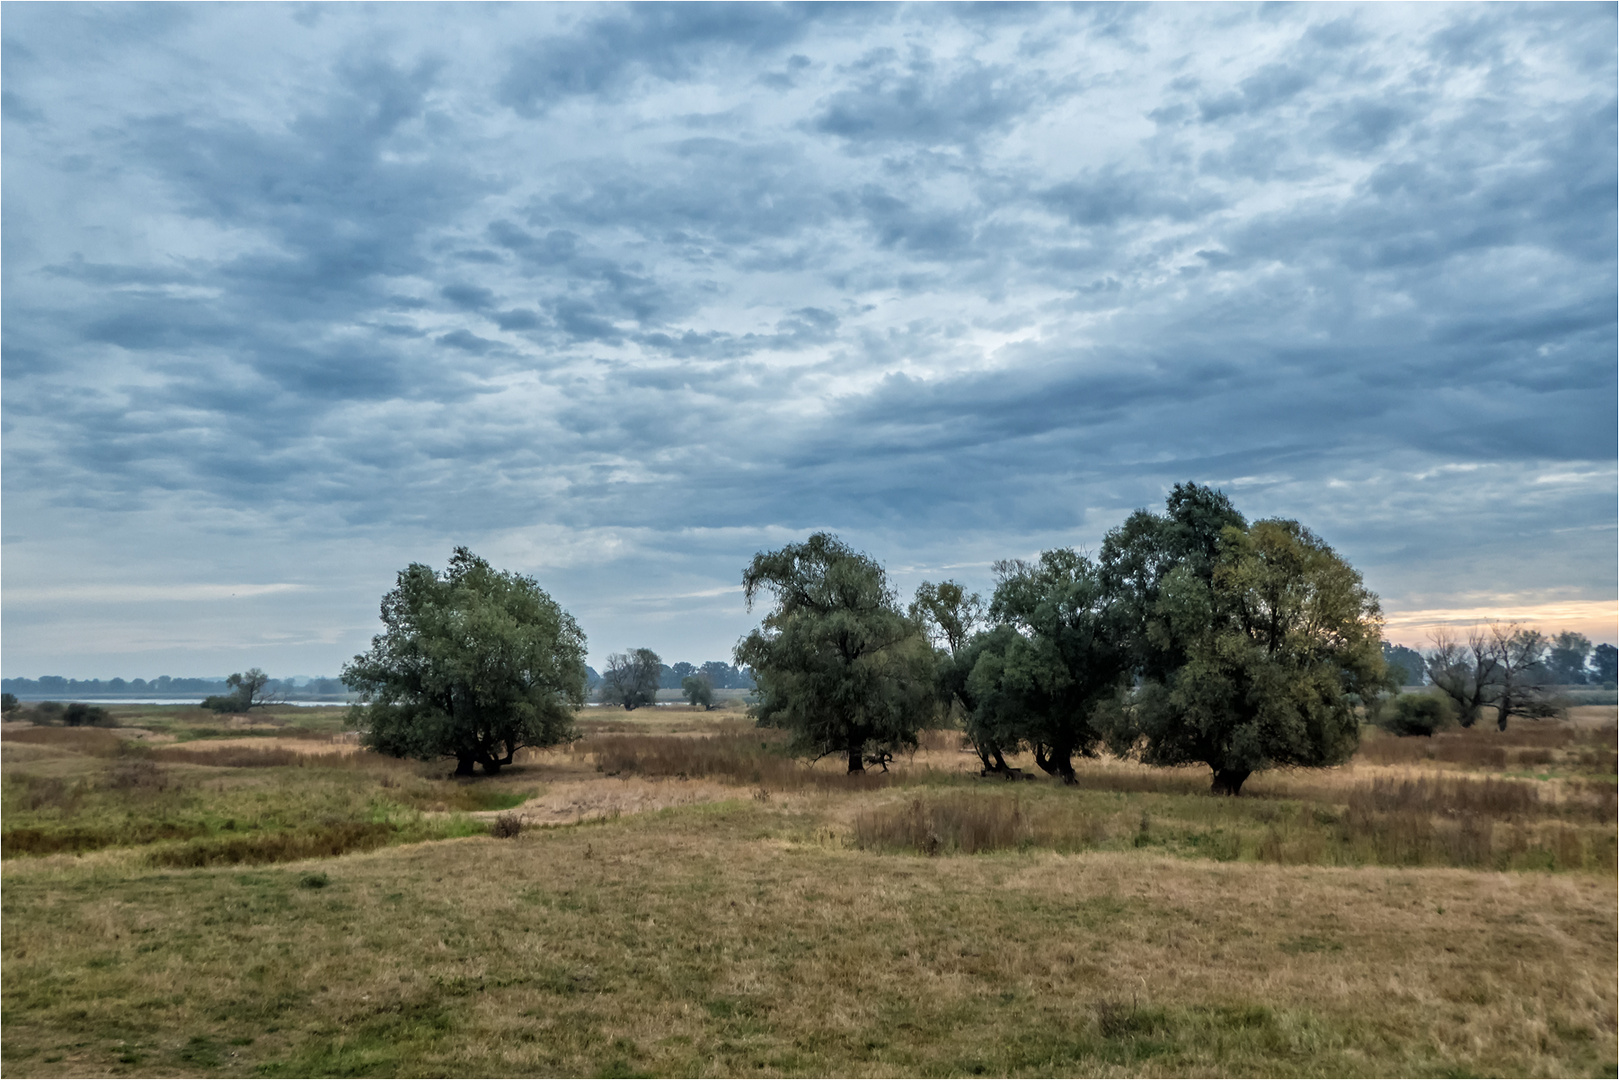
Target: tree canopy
{"x":631,"y":678}
{"x":1279,"y":640}
{"x":699,"y":693}
{"x":1059,"y":651}
{"x":473,"y":663}
{"x":835,"y":661}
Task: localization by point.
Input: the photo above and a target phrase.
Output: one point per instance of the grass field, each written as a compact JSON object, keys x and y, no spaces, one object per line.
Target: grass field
{"x":186,"y":896}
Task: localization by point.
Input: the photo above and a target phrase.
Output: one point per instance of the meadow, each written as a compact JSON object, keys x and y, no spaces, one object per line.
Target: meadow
{"x":670,"y":895}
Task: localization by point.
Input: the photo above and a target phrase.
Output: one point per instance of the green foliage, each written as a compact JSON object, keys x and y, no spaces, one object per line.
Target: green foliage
{"x":631,"y":678}
{"x":1058,"y":652}
{"x":698,"y":691}
{"x":474,"y":664}
{"x":1415,"y":714}
{"x":1276,"y":636}
{"x":1138,"y":556}
{"x":9,"y":702}
{"x":952,"y":619}
{"x":836,"y":662}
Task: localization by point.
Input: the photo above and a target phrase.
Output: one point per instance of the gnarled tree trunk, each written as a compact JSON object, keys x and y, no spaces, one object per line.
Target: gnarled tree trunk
{"x":855,"y":764}
{"x":1056,"y":761}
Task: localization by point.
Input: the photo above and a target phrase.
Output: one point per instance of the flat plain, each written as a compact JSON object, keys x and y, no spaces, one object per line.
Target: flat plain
{"x":186,"y":895}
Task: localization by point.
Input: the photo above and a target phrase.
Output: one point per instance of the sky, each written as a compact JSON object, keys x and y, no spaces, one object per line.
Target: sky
{"x":297,"y":295}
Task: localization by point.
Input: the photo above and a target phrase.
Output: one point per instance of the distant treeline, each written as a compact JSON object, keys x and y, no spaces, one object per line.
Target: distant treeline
{"x":54,"y":687}
{"x":721,"y":675}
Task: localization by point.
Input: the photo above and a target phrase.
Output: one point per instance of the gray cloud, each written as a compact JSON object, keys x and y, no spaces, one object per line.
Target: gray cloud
{"x":620,"y":295}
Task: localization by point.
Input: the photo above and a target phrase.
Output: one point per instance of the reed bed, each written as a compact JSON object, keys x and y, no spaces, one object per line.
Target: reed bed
{"x":756,"y":759}
{"x":1524,"y":745}
{"x":1411,"y":824}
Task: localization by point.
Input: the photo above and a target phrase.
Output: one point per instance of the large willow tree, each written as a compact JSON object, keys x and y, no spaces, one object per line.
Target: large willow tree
{"x":1254,"y":653}
{"x":835,"y":661}
{"x":473,"y":663}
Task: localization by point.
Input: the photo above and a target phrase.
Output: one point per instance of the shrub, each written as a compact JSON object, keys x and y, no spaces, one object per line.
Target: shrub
{"x":79,"y":714}
{"x":505,"y":826}
{"x":1414,"y":714}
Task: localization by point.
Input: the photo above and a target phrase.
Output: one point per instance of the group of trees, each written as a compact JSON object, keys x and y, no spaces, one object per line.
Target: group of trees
{"x":1193,"y":636}
{"x":632,"y":679}
{"x":1510,"y":669}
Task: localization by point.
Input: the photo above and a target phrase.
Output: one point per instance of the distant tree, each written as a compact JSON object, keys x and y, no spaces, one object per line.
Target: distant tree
{"x":473,"y":664}
{"x":1566,"y":658}
{"x":1041,"y":684}
{"x":1464,"y":670}
{"x":8,"y":703}
{"x":1405,"y":665}
{"x":1520,"y":673}
{"x":631,"y":679}
{"x":683,"y":670}
{"x":721,"y":676}
{"x":835,"y":661}
{"x":248,"y":690}
{"x":1278,"y":642}
{"x":698,"y":691}
{"x":1605,"y":664}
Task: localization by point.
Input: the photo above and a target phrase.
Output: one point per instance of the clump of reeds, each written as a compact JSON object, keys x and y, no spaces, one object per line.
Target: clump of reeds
{"x":969,"y":822}
{"x":1449,"y":796}
{"x":756,"y":759}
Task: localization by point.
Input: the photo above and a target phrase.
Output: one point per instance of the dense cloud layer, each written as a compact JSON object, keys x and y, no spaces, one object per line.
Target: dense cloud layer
{"x":296,"y":295}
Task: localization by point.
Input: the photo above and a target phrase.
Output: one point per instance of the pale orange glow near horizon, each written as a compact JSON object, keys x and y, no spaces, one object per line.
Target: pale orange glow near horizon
{"x":1596,"y":619}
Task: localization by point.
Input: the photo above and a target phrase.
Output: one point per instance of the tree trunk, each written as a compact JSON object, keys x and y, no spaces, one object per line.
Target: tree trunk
{"x":1229,"y":781}
{"x":463,"y":766}
{"x":491,"y":766}
{"x":1057,"y":762}
{"x":855,"y":764}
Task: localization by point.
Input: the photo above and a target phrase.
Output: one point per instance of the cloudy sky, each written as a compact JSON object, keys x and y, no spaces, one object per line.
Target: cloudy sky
{"x":617,"y":296}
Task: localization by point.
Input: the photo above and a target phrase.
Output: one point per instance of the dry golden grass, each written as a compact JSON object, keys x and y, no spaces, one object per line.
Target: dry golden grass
{"x":735,"y":940}
{"x":759,"y":917}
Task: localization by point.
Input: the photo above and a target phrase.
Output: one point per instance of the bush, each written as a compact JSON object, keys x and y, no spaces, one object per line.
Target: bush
{"x":79,"y":714}
{"x":1414,"y":714}
{"x":505,"y":826}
